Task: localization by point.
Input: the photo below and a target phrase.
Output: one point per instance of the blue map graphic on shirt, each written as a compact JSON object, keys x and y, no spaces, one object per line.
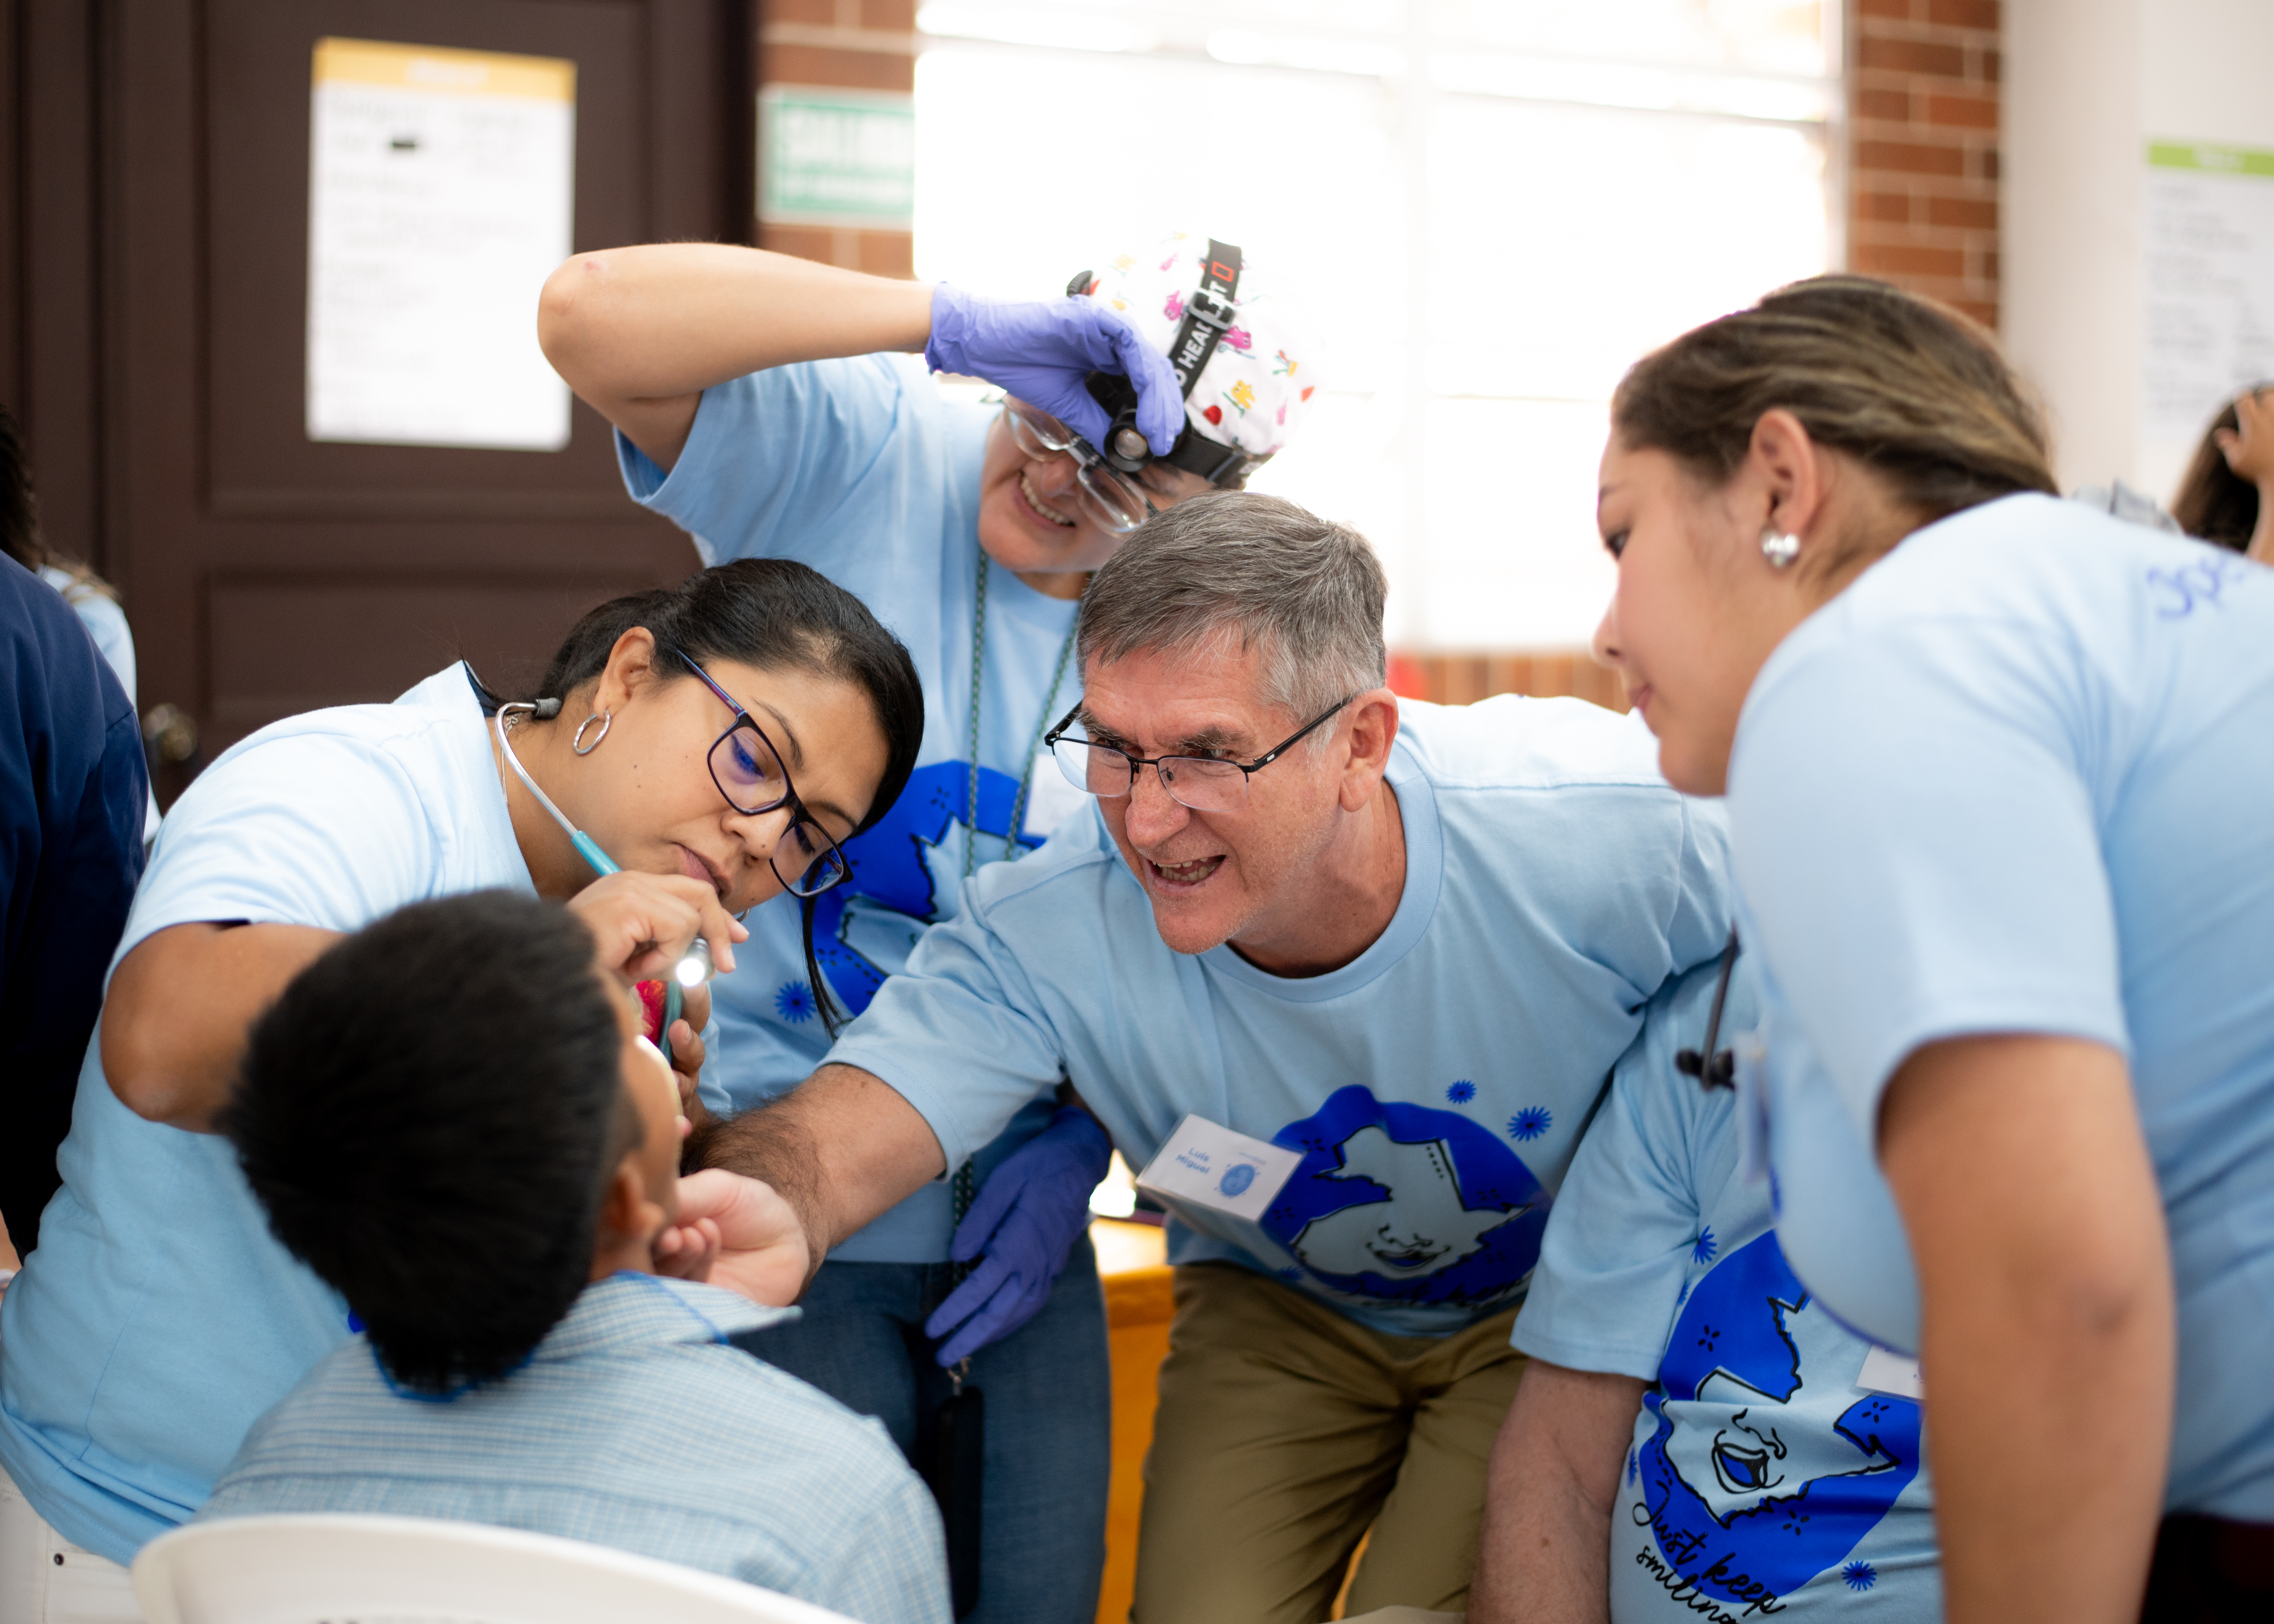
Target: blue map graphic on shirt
{"x":1779,"y":1468}
{"x":1406,"y":1204}
{"x":903,"y":870}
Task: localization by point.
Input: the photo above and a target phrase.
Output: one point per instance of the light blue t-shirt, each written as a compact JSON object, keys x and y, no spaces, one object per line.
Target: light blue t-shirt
{"x":158,"y":1316}
{"x":860,"y":469}
{"x":2017,"y":778}
{"x":1762,"y":1476}
{"x":1435,"y":1084}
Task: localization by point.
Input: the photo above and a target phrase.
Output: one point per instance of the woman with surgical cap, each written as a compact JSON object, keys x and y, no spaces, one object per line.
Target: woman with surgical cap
{"x":1999,"y":770}
{"x":774,"y":407}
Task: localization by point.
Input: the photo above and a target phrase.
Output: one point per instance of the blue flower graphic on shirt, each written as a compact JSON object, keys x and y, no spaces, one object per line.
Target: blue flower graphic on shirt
{"x":1460,"y":1093}
{"x":793,"y":1003}
{"x":1530,"y":1123}
{"x":1634,"y":1465}
{"x":1707,"y":1247}
{"x":1859,"y":1575}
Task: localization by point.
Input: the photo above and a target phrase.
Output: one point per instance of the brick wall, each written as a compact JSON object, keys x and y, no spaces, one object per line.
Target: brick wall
{"x":1922,"y":151}
{"x":1460,"y":679}
{"x":855,"y":44}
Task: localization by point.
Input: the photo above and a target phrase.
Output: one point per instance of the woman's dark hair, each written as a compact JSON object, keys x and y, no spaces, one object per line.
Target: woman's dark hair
{"x":19,"y":509}
{"x":2214,"y":503}
{"x":432,"y":1113}
{"x":20,"y":521}
{"x":1908,"y":387}
{"x":776,"y":615}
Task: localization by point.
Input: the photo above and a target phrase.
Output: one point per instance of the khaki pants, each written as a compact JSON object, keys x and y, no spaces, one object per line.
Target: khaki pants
{"x":1286,"y":1431}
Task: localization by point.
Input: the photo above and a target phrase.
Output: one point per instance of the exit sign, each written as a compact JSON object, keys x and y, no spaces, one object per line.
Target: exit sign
{"x":830,"y":157}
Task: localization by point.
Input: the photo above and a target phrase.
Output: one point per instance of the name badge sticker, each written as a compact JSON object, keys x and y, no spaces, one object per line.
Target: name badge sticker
{"x":1894,"y":1374}
{"x":1211,"y":1166}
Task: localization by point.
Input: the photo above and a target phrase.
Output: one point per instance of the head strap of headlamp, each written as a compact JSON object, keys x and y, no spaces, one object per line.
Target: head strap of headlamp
{"x":1207,"y":317}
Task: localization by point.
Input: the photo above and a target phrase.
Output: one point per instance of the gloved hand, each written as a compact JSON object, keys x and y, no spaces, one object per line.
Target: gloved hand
{"x":1041,"y":351}
{"x":1025,"y":1220}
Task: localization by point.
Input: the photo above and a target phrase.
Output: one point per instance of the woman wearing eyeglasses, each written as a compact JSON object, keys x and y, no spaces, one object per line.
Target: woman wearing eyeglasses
{"x":717,"y":743}
{"x":773,"y":407}
{"x":1997,"y":769}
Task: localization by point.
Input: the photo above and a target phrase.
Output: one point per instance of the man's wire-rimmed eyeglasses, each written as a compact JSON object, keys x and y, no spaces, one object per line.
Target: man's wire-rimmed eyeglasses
{"x":1203,"y":783}
{"x":748,"y":772}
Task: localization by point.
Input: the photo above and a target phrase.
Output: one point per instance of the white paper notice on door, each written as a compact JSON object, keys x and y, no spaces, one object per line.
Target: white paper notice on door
{"x":442,"y":192}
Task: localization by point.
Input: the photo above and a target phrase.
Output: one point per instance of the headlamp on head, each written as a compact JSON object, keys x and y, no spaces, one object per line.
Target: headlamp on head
{"x":1206,"y":317}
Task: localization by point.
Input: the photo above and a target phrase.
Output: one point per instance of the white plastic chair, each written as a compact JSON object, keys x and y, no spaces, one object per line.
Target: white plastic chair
{"x":331,"y":1569}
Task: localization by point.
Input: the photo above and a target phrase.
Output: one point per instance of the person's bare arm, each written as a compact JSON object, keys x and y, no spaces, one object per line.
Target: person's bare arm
{"x":2047,"y":1319}
{"x":2248,"y":448}
{"x":640,"y":333}
{"x":1544,"y":1549}
{"x":841,"y":1147}
{"x":178,"y":1008}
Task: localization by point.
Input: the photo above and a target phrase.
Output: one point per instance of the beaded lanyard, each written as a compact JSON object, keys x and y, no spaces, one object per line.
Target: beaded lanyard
{"x":966,"y":1183}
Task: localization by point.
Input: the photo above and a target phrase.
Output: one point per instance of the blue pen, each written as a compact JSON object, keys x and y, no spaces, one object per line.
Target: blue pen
{"x":694,"y":966}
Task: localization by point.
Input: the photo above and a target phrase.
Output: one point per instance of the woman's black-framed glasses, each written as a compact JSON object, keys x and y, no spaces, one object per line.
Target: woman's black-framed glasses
{"x":1204,"y":783}
{"x":748,"y":772}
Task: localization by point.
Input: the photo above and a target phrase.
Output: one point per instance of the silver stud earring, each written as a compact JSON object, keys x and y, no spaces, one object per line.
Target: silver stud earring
{"x":1780,"y":547}
{"x":605,"y":719}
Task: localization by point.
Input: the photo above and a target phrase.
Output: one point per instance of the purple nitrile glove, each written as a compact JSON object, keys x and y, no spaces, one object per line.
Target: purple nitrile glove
{"x":1041,"y":350}
{"x":1025,"y":1219}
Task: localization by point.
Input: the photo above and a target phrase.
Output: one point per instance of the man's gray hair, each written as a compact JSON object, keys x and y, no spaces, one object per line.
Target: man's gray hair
{"x":1242,"y":571}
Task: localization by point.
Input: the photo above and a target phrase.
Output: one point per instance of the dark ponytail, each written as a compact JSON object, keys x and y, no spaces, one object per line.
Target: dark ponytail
{"x":775,"y":615}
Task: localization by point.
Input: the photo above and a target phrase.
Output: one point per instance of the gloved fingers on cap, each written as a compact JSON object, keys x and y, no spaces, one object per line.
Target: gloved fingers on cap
{"x":1160,"y":403}
{"x":1079,"y":412}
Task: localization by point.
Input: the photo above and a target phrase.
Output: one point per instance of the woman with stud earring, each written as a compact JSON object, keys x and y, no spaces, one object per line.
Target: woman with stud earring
{"x":1997,"y":770}
{"x":716,"y":742}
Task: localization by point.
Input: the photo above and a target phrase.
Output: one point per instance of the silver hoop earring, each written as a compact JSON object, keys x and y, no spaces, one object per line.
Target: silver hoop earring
{"x":604,"y":718}
{"x":1780,"y":547}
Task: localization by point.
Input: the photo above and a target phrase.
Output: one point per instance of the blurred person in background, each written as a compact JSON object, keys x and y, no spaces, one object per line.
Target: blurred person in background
{"x":72,"y":790}
{"x":1997,"y":770}
{"x":2227,"y":493}
{"x":770,"y":406}
{"x":94,"y":600}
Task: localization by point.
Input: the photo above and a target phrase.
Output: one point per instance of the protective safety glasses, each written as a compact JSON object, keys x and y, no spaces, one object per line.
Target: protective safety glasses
{"x":1204,"y":783}
{"x":748,"y":772}
{"x":1109,"y":499}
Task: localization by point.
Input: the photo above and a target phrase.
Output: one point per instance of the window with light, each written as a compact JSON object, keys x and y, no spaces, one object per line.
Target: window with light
{"x":1486,"y":209}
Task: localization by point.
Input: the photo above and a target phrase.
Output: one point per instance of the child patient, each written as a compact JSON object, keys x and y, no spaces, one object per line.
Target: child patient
{"x":451,"y":1118}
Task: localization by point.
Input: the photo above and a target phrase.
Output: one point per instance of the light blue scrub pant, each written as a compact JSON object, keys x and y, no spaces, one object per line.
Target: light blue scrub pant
{"x":1049,"y":1421}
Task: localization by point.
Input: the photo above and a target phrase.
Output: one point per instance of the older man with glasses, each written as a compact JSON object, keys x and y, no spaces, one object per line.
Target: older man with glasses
{"x":1361,"y":969}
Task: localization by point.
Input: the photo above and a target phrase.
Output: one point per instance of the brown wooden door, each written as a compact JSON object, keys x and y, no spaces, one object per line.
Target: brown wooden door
{"x":265,"y":573}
